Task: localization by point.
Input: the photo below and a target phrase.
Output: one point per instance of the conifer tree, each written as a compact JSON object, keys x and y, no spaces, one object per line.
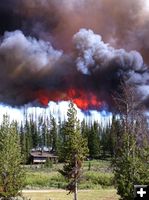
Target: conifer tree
{"x":84,"y":129}
{"x":130,"y":163}
{"x":53,"y":133}
{"x":94,"y":141}
{"x":130,"y":167}
{"x":114,"y":136}
{"x":75,"y":150}
{"x":11,"y":172}
{"x":34,"y":133}
{"x":60,"y":141}
{"x":44,"y":133}
{"x":28,"y":137}
{"x":105,"y":141}
{"x":23,"y":143}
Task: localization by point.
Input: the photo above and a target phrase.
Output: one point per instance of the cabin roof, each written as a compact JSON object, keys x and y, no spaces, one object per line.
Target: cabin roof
{"x":43,"y":154}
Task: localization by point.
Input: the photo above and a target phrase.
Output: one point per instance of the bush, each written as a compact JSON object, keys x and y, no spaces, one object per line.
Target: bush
{"x":45,"y":180}
{"x":97,"y":178}
{"x":48,"y":164}
{"x":90,"y":180}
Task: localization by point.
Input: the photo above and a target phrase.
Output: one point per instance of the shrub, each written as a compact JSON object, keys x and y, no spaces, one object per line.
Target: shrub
{"x":97,"y":178}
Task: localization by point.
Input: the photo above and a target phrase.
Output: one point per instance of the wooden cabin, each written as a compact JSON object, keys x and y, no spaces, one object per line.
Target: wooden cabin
{"x":40,"y":157}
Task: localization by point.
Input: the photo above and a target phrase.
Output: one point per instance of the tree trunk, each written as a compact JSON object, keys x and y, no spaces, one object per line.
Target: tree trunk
{"x":76,"y":191}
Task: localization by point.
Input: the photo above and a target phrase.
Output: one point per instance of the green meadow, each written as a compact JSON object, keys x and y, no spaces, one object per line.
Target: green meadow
{"x":95,"y":175}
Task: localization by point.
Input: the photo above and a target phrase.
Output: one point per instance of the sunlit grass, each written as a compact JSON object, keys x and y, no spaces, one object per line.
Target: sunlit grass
{"x":62,"y":195}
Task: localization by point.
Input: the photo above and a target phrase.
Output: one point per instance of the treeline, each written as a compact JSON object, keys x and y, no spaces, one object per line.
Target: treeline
{"x":45,"y":132}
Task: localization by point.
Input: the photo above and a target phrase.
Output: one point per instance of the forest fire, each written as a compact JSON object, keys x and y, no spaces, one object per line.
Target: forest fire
{"x":49,"y":58}
{"x":84,"y":100}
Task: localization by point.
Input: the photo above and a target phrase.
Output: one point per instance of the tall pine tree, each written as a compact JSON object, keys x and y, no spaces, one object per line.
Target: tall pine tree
{"x":11,"y":172}
{"x":53,"y":134}
{"x":94,"y":141}
{"x":75,"y":150}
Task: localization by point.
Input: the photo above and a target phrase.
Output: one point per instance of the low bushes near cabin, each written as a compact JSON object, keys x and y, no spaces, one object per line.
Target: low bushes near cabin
{"x":98,"y":178}
{"x":89,"y":180}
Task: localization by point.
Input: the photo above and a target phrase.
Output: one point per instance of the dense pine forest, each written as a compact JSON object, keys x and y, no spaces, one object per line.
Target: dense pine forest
{"x":44,"y":132}
{"x":123,"y":141}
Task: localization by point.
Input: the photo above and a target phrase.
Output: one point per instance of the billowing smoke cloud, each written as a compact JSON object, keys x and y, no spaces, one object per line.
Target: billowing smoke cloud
{"x":95,"y":55}
{"x":87,"y":70}
{"x":124,"y":23}
{"x":108,"y":65}
{"x":26,"y":66}
{"x":33,"y":71}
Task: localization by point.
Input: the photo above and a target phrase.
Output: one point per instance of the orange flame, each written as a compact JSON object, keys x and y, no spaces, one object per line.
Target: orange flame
{"x":84,"y":100}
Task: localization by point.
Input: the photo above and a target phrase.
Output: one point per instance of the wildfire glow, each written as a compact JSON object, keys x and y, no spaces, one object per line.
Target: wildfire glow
{"x":83,"y":100}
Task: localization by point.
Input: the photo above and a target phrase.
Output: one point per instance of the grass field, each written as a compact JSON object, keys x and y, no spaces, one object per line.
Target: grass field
{"x":97,"y":176}
{"x":62,"y":195}
{"x":96,"y":182}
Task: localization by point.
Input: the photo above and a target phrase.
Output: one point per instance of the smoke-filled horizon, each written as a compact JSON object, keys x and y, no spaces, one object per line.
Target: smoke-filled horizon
{"x":79,"y":50}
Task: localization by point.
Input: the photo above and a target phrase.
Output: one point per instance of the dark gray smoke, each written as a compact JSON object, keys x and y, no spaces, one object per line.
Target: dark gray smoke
{"x":94,"y":55}
{"x":123,"y":23}
{"x":101,"y":61}
{"x":26,"y":66}
{"x":32,"y":32}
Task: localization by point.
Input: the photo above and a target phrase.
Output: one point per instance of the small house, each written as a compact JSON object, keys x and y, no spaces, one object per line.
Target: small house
{"x":40,"y":157}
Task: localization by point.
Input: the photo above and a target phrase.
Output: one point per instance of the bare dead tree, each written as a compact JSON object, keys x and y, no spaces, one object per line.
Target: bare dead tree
{"x":131,"y":113}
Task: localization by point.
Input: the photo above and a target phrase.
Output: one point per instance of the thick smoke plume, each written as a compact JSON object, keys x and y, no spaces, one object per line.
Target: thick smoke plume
{"x":90,"y":67}
{"x":33,"y":71}
{"x":123,"y":23}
